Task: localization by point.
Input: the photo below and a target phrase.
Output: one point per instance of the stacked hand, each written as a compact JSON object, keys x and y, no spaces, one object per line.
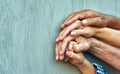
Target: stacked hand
{"x":79,"y":31}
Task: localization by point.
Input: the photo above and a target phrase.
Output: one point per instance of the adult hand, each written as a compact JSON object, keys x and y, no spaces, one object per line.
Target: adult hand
{"x":79,"y":60}
{"x":75,"y":58}
{"x":67,"y":30}
{"x":62,"y":45}
{"x":88,"y":18}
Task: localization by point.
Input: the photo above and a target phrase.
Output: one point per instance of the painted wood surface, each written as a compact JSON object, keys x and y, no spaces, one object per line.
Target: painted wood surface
{"x":28,"y":29}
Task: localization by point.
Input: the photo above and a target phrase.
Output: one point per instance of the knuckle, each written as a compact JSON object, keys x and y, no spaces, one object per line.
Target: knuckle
{"x":65,"y":40}
{"x":76,"y":50}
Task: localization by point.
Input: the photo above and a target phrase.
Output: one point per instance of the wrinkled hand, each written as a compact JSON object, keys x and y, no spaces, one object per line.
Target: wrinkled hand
{"x":75,"y":58}
{"x":78,"y":58}
{"x":88,"y":17}
{"x":62,"y":45}
{"x":67,"y":30}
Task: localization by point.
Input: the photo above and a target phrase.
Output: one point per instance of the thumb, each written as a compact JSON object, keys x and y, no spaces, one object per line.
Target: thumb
{"x":76,"y":57}
{"x":97,"y":22}
{"x":78,"y":32}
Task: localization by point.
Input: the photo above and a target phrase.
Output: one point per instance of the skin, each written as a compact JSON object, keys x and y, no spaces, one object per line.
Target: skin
{"x":92,"y":18}
{"x":107,"y":35}
{"x":89,"y":18}
{"x":84,"y":66}
{"x":79,"y":60}
{"x":59,"y":52}
{"x":103,"y":51}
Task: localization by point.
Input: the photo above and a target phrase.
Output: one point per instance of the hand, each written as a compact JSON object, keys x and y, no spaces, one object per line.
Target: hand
{"x":83,"y":44}
{"x":67,"y":30}
{"x":74,"y":58}
{"x":86,"y":32}
{"x":79,"y":60}
{"x":88,"y":18}
{"x":62,"y":45}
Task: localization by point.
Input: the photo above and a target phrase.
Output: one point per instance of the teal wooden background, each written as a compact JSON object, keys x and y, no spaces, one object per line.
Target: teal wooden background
{"x":28,"y":29}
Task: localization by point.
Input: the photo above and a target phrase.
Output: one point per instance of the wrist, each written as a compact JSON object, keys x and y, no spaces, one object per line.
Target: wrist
{"x":87,"y":68}
{"x":113,"y":22}
{"x":99,"y":32}
{"x":86,"y":64}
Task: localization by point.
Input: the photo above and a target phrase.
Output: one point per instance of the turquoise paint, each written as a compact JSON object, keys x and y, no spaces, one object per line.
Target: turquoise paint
{"x":28,"y":29}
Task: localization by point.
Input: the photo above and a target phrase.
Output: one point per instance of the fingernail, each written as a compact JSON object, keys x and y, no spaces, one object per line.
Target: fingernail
{"x":56,"y":57}
{"x":73,"y":33}
{"x":62,"y":26}
{"x":84,"y":22}
{"x":57,"y":40}
{"x":61,"y":57}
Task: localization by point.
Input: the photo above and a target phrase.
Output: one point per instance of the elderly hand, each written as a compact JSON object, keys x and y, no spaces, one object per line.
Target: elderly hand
{"x":62,"y":45}
{"x":88,"y":18}
{"x":78,"y":59}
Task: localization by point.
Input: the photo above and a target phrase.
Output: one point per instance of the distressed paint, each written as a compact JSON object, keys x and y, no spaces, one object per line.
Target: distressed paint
{"x":28,"y":29}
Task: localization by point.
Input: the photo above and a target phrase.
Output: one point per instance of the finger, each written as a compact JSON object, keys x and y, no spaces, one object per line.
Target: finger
{"x":97,"y":22}
{"x":81,"y":15}
{"x":64,"y":45}
{"x":61,"y":57}
{"x":68,"y":29}
{"x":82,"y":44}
{"x":72,"y":19}
{"x":63,"y":25}
{"x":74,"y":56}
{"x":87,"y":32}
{"x":70,"y":46}
{"x":77,"y":32}
{"x":57,"y":39}
{"x":56,"y":52}
{"x":81,"y":47}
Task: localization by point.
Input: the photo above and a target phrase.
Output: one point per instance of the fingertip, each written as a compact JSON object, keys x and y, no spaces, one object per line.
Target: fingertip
{"x":61,"y":57}
{"x":61,"y":38}
{"x":57,"y":58}
{"x":84,"y":22}
{"x":57,"y":40}
{"x":70,"y":54}
{"x":73,"y":33}
{"x":61,"y":52}
{"x":62,"y":26}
